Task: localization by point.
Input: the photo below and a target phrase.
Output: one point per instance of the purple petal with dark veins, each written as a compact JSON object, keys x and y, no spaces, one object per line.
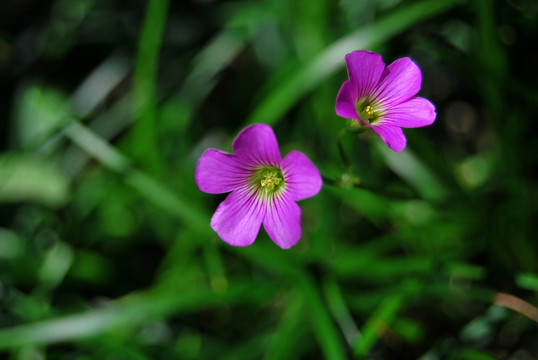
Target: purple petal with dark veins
{"x":238,"y":218}
{"x":218,"y":172}
{"x":414,"y":113}
{"x":400,"y":81}
{"x":302,"y":178}
{"x":364,"y":69}
{"x":283,"y":221}
{"x":346,"y":101}
{"x":393,"y":136}
{"x":257,"y":145}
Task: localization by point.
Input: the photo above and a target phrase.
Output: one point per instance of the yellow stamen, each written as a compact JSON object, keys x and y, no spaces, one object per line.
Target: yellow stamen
{"x":271,"y":179}
{"x":369,"y":110}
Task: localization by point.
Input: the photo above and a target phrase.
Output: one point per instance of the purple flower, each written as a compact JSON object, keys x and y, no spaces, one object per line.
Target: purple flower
{"x":383,"y":99}
{"x":264,"y":188}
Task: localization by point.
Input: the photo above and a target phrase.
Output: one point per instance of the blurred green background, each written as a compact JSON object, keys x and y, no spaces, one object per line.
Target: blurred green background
{"x":105,"y":246}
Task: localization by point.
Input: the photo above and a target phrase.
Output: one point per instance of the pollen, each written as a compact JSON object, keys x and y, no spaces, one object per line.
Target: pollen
{"x":368,"y":111}
{"x":270,"y":179}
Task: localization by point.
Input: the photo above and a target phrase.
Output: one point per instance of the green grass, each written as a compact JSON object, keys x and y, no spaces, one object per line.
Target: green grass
{"x":105,"y":246}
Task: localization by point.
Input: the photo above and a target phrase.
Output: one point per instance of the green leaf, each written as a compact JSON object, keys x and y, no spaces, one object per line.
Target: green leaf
{"x":408,"y":166}
{"x":309,"y":75}
{"x":527,"y":281}
{"x":39,"y":111}
{"x":24,"y":178}
{"x":144,"y":135}
{"x":127,"y":312}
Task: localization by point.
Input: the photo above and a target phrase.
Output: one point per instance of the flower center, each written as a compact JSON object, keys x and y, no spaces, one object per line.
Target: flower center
{"x":268,"y":179}
{"x":366,"y":111}
{"x":271,"y":179}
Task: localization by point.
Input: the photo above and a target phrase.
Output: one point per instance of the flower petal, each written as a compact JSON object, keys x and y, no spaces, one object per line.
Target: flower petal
{"x":393,"y":136}
{"x":283,"y":221}
{"x":400,"y":81}
{"x":302,"y":178}
{"x":257,"y":145}
{"x":346,"y":101}
{"x":414,"y":113}
{"x":218,"y":172}
{"x":239,"y":217}
{"x":364,"y":69}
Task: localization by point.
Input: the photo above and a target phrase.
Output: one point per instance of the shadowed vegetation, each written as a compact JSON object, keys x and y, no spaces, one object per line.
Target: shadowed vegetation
{"x":105,"y":246}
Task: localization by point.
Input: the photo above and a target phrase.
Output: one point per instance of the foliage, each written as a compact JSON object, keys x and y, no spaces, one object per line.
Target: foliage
{"x":105,"y":246}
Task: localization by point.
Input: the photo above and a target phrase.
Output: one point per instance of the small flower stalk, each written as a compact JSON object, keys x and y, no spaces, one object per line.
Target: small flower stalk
{"x":383,"y":98}
{"x":264,"y":188}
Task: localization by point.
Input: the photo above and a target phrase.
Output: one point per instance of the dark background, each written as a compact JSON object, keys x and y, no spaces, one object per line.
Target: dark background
{"x":105,"y":246}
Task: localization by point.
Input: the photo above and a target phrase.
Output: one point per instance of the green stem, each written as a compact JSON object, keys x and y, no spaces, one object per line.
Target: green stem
{"x":341,"y":152}
{"x":144,"y":134}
